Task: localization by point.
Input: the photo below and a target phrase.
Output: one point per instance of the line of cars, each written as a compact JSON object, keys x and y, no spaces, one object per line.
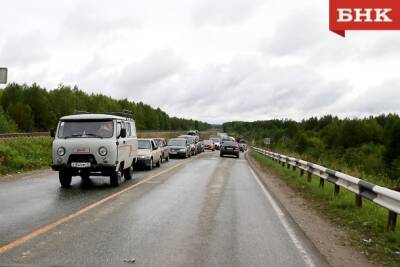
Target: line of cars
{"x":106,"y":144}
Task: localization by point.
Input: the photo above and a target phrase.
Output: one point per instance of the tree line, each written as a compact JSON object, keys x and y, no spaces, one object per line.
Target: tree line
{"x":370,"y":146}
{"x":27,"y":108}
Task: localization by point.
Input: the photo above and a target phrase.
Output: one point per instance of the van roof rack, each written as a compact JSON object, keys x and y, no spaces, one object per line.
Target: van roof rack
{"x":125,"y":113}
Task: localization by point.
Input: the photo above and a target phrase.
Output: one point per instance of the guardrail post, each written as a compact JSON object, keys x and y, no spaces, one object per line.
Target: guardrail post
{"x":309,"y":176}
{"x":358,"y":201}
{"x":321,"y":182}
{"x":283,"y":164}
{"x":301,"y":172}
{"x":288,"y":165}
{"x":294,"y":167}
{"x":392,"y":219}
{"x":337,"y":189}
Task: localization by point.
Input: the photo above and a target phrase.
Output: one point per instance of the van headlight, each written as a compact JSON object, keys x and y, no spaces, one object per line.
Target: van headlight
{"x":61,"y":151}
{"x":102,"y":151}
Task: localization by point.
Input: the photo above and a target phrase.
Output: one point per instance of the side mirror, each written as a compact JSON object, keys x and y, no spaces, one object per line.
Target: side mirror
{"x":52,"y":132}
{"x":122,"y":133}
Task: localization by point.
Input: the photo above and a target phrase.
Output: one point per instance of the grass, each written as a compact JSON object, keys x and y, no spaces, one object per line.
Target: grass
{"x":366,"y":225}
{"x":24,"y":154}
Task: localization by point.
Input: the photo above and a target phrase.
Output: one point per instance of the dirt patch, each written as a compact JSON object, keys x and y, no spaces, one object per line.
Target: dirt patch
{"x":331,"y":240}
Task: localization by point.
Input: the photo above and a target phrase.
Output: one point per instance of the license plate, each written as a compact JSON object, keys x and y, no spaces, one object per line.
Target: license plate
{"x":173,"y":152}
{"x":229,"y":148}
{"x":80,"y":164}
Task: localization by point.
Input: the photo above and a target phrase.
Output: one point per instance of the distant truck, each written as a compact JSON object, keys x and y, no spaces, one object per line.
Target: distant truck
{"x":90,"y":144}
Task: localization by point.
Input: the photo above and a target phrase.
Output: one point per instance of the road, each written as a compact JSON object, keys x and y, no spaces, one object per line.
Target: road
{"x":205,"y":211}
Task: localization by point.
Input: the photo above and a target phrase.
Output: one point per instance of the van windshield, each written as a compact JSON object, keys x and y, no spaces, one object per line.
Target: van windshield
{"x":86,"y":128}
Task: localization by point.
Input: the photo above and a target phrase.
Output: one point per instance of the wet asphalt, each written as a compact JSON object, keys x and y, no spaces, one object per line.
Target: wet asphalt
{"x":207,"y":211}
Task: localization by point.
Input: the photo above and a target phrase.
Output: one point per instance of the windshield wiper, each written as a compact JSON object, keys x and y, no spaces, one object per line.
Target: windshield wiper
{"x":94,"y":135}
{"x":72,"y":135}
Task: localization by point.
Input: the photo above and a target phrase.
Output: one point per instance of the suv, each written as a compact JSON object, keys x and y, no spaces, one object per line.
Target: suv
{"x":164,"y":148}
{"x":94,"y":144}
{"x":149,"y":153}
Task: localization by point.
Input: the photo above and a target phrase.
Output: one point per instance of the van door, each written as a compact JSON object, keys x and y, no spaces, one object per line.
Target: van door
{"x":131,"y":142}
{"x":123,"y":150}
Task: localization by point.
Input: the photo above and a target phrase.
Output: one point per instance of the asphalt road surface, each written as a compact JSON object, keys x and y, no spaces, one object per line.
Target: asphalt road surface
{"x":205,"y":211}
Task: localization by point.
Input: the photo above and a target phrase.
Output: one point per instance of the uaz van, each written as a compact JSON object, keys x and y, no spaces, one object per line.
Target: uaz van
{"x":89,"y":144}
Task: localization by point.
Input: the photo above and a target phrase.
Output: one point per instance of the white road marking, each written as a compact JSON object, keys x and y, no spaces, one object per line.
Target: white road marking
{"x":286,"y":225}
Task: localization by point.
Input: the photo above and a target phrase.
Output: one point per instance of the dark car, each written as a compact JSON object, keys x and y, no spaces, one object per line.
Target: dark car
{"x":229,"y":148}
{"x":179,"y":147}
{"x":164,"y":148}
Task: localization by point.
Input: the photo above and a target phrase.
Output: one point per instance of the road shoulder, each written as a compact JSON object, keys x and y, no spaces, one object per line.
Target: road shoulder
{"x":328,"y":238}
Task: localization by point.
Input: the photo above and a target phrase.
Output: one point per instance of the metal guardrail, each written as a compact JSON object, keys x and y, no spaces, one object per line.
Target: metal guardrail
{"x":382,"y":196}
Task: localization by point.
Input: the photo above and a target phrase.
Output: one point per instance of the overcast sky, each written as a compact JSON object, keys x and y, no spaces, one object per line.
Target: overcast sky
{"x":212,"y":60}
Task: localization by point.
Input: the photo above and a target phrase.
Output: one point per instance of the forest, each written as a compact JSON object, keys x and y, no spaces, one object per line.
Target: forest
{"x":27,"y":108}
{"x":366,"y":147}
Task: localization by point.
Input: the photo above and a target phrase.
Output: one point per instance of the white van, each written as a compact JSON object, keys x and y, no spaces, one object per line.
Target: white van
{"x":89,"y":144}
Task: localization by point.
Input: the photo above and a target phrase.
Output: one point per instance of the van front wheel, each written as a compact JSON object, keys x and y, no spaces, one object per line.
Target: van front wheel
{"x":115,"y":178}
{"x":128,"y":173}
{"x":65,"y":178}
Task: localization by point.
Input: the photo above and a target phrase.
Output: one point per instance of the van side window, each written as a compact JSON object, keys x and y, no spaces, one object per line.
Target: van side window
{"x":119,"y":127}
{"x":128,"y":129}
{"x":133,"y":129}
{"x":153,"y":144}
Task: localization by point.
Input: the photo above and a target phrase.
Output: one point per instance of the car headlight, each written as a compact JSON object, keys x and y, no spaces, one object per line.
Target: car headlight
{"x":102,"y":151}
{"x":61,"y":151}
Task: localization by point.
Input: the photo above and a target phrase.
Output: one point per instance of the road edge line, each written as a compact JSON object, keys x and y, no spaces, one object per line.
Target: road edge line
{"x":282,"y":217}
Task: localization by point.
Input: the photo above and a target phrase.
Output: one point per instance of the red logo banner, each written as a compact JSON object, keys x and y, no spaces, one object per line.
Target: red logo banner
{"x":363,"y":15}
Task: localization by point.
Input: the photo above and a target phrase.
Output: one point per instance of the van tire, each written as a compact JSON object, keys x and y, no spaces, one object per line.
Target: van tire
{"x":65,"y":178}
{"x":150,"y":167}
{"x":128,"y":173}
{"x":115,"y":178}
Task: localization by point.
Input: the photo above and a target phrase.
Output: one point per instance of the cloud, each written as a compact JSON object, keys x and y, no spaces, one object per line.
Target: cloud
{"x":224,"y":12}
{"x":143,"y":76}
{"x":23,"y":49}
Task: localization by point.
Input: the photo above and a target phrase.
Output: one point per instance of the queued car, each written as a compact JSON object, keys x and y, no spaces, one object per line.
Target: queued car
{"x":179,"y":147}
{"x":229,"y":148}
{"x":242,"y":145}
{"x":149,"y":154}
{"x":194,"y":133}
{"x":200,"y":147}
{"x":216,"y":141}
{"x":162,"y":144}
{"x":192,"y":142}
{"x":209,"y":144}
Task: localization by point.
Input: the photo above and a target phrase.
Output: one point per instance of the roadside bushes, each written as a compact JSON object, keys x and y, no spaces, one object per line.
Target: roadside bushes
{"x":24,"y":154}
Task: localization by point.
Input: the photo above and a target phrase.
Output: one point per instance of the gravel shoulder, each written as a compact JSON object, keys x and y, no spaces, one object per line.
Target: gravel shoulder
{"x":330,"y":239}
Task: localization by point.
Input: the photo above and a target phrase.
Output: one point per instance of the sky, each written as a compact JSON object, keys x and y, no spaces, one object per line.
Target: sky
{"x":209,"y":60}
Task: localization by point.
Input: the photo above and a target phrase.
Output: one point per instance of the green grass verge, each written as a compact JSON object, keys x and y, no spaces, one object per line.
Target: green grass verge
{"x":366,"y":226}
{"x":24,"y":154}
